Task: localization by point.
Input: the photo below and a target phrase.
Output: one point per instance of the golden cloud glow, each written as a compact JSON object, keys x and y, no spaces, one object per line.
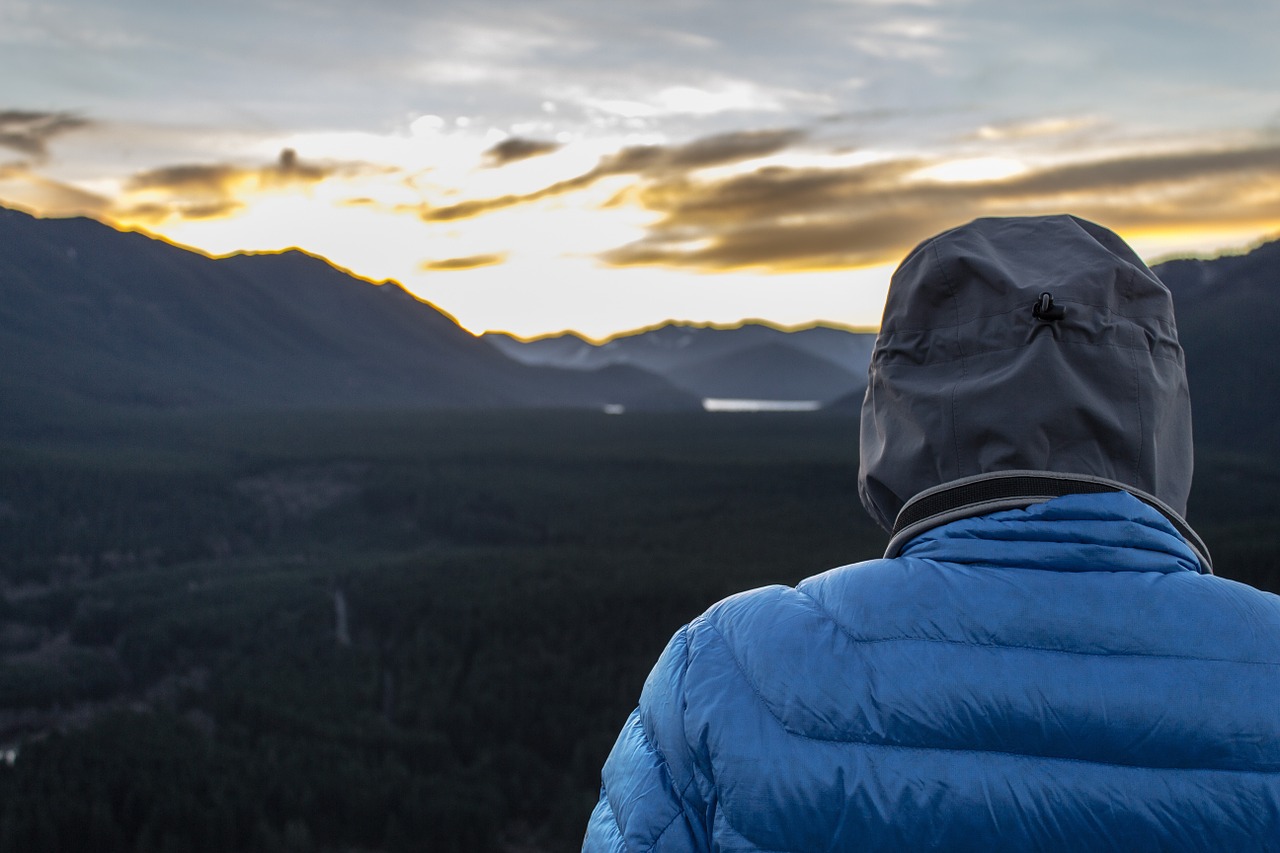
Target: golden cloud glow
{"x":213,"y":190}
{"x":650,"y":160}
{"x":972,"y":170}
{"x":1054,"y":126}
{"x":795,"y":219}
{"x":31,"y":191}
{"x":720,"y":203}
{"x":536,"y":235}
{"x":470,"y":262}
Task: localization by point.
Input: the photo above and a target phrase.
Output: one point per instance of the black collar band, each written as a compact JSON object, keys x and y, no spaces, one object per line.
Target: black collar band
{"x":986,"y":493}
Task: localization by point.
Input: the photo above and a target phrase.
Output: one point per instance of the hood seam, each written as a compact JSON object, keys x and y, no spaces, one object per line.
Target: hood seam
{"x":1137,"y":402}
{"x":955,"y":389}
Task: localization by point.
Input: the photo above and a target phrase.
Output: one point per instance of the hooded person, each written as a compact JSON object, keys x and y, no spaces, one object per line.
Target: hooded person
{"x":1043,"y":659}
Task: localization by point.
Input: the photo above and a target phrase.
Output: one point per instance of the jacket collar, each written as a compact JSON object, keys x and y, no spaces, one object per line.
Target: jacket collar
{"x":994,"y":492}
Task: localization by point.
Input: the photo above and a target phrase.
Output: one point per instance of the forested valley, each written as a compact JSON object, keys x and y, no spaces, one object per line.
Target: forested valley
{"x":370,"y":631}
{"x":382,"y":631}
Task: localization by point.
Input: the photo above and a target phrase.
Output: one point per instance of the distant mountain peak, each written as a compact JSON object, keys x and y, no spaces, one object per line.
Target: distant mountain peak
{"x":751,"y":360}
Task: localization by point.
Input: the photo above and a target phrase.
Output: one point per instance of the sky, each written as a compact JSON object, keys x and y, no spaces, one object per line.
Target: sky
{"x":534,"y":166}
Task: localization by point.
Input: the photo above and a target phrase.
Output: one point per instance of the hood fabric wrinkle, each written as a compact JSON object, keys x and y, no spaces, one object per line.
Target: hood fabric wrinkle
{"x":965,"y":381}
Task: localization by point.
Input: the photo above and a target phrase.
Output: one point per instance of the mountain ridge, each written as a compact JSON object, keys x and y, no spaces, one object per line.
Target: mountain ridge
{"x":815,"y":362}
{"x":1228,"y":312}
{"x":114,"y":318}
{"x":92,"y":316}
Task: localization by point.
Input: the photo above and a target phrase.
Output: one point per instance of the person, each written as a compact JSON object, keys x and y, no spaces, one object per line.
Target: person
{"x":1043,"y":660}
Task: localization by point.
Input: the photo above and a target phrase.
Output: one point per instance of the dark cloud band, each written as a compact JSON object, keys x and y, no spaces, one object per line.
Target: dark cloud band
{"x":517,"y":148}
{"x":209,"y":190}
{"x":792,"y":219}
{"x":28,"y":132}
{"x":652,"y":161}
{"x":468,"y":263}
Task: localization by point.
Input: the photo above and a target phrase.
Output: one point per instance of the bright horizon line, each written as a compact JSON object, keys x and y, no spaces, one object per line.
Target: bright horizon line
{"x":686,"y":324}
{"x":311,"y":253}
{"x":596,"y":340}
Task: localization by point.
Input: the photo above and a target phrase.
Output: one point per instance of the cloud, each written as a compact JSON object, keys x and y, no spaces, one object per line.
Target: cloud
{"x":1152,"y":169}
{"x":651,"y":160}
{"x":211,"y":190}
{"x":468,"y":263}
{"x":517,"y":148}
{"x":1035,"y":128}
{"x":28,"y":132}
{"x":197,"y":178}
{"x":780,"y":218}
{"x":85,"y":29}
{"x":478,"y":207}
{"x":49,"y":197}
{"x":683,"y":100}
{"x":730,"y":148}
{"x":157,"y":213}
{"x":289,"y":169}
{"x":222,"y":178}
{"x":902,"y":39}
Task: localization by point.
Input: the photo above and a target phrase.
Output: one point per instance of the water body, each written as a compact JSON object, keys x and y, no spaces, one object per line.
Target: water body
{"x":713,"y":404}
{"x":341,"y":628}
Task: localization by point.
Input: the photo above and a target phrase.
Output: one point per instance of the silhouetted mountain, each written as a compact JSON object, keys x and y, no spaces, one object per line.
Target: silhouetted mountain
{"x":752,"y":361}
{"x":770,"y":371}
{"x":848,"y":350}
{"x":90,"y":315}
{"x":1228,"y":313}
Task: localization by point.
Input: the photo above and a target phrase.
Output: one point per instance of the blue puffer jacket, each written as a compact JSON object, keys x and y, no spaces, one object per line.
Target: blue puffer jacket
{"x":1059,"y":677}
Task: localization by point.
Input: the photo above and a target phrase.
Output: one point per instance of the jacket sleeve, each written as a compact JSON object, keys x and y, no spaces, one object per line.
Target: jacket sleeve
{"x":650,"y":799}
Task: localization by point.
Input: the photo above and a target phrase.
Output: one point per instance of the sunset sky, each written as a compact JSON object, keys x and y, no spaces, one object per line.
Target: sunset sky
{"x":543,"y":165}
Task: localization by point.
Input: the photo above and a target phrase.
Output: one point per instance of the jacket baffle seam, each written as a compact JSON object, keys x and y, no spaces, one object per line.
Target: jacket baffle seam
{"x":992,"y":752}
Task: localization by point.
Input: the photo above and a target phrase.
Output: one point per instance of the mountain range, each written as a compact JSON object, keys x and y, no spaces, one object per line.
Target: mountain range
{"x":1228,"y":311}
{"x":94,"y":317}
{"x":753,"y":361}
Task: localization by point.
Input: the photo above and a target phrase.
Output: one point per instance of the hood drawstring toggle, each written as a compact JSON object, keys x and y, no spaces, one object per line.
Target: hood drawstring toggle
{"x":1044,"y":309}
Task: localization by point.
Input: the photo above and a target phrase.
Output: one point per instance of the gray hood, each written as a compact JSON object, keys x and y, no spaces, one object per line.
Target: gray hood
{"x":978,"y":377}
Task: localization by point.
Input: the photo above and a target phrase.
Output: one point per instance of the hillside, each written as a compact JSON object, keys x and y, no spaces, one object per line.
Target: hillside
{"x":92,"y":316}
{"x":753,"y":361}
{"x":1228,"y":311}
{"x":768,"y":371}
